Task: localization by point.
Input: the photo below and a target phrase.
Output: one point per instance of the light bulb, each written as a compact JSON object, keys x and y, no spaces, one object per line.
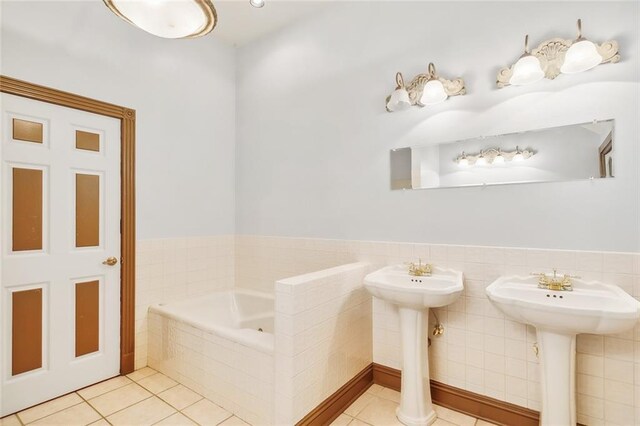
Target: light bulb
{"x":257,"y":3}
{"x":526,"y":71}
{"x":498,"y":159}
{"x":518,"y":156}
{"x":399,"y":100}
{"x":481,"y":161}
{"x":433,"y":93}
{"x":581,"y":56}
{"x":463,"y":162}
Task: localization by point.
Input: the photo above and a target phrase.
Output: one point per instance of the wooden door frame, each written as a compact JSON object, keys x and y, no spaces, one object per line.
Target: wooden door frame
{"x":127,"y":117}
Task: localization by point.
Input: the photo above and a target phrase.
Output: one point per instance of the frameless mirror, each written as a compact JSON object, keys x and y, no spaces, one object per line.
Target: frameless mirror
{"x":577,"y":151}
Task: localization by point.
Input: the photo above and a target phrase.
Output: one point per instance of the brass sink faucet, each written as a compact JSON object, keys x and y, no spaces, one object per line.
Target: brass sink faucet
{"x":555,"y":282}
{"x":420,"y":269}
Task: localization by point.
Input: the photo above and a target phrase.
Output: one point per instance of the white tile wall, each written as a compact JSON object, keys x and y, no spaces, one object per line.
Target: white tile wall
{"x":323,"y":337}
{"x":178,"y":268}
{"x":481,"y":350}
{"x":236,"y":377}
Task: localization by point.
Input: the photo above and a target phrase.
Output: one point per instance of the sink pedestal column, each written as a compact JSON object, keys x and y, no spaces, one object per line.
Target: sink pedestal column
{"x":557,"y":353}
{"x":415,"y":397}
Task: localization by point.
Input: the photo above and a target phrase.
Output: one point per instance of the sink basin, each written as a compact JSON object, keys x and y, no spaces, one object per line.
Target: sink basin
{"x":592,"y":307}
{"x":395,"y":285}
{"x":414,"y":296}
{"x":558,"y":316}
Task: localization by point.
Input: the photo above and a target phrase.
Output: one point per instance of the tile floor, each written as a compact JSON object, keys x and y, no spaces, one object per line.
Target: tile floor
{"x":146,"y":397}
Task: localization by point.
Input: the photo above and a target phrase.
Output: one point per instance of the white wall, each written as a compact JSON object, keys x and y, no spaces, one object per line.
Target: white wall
{"x":313,"y":136}
{"x":183,"y":92}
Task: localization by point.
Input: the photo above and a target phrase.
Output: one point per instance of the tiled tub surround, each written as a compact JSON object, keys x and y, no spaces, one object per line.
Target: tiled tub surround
{"x":173,"y":269}
{"x":235,"y":376}
{"x":480,"y":351}
{"x":323,"y":337}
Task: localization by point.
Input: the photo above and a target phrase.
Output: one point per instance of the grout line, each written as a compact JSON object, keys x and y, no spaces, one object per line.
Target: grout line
{"x":122,"y":409}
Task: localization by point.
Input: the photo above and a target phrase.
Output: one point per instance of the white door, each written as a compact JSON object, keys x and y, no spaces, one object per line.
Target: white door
{"x":60,"y":220}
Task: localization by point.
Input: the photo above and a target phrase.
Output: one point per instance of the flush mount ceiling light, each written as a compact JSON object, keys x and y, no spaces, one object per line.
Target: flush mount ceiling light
{"x":257,"y":3}
{"x":558,"y":56}
{"x":492,"y":156}
{"x":425,"y":89}
{"x":167,"y":18}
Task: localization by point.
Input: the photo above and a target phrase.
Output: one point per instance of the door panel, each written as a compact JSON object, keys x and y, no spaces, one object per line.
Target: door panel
{"x":60,"y":220}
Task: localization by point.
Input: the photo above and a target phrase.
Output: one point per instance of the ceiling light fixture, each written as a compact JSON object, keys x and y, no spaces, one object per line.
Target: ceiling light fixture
{"x":558,"y":56}
{"x":424,"y":90}
{"x":257,"y":3}
{"x":167,"y":18}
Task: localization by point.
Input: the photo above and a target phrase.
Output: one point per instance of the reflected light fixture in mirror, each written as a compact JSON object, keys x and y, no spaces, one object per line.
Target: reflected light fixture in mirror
{"x":424,"y":90}
{"x":167,"y":18}
{"x":558,"y":56}
{"x":493,"y":156}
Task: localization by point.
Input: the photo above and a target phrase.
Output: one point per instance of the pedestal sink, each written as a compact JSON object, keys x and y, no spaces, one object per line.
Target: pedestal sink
{"x":414,"y":295}
{"x":558,"y":316}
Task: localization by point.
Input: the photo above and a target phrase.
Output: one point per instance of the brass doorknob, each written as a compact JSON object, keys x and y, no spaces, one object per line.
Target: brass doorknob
{"x":110,"y":261}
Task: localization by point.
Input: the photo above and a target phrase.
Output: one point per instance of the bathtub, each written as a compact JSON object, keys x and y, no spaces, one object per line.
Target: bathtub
{"x":243,"y":316}
{"x":222,"y":346}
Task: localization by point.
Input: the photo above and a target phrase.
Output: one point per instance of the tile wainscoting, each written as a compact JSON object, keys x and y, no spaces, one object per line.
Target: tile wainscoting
{"x":480,"y":351}
{"x":174,"y":269}
{"x":323,"y":337}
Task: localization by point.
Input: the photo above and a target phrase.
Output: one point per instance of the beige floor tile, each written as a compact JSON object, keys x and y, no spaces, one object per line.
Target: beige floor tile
{"x":101,"y":422}
{"x":440,"y":422}
{"x":157,"y":383}
{"x":205,"y":413}
{"x":390,"y":394}
{"x":81,"y":414}
{"x":380,"y":412}
{"x":39,"y":411}
{"x":454,"y":417}
{"x":359,"y":404}
{"x":356,"y":422}
{"x":342,"y":420}
{"x":375,"y":389}
{"x":141,"y":373}
{"x":234,"y":421}
{"x":146,"y":412}
{"x":177,"y":419}
{"x":484,"y":423}
{"x":180,"y":396}
{"x":103,"y":387}
{"x":118,"y":399}
{"x":10,"y":421}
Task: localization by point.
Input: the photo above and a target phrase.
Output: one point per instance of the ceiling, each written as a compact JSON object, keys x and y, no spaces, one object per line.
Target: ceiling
{"x":240,"y":23}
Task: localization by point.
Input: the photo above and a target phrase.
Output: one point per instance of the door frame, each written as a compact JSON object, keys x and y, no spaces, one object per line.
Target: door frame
{"x":127,"y":117}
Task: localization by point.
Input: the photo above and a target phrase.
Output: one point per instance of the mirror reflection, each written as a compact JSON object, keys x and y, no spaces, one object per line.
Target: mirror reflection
{"x":573,"y":152}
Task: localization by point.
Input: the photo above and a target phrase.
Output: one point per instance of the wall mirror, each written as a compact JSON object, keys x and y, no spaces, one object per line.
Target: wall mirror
{"x":573,"y":152}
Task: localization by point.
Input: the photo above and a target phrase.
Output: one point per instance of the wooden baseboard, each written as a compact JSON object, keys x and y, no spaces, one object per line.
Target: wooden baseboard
{"x":473,"y":404}
{"x":333,"y":406}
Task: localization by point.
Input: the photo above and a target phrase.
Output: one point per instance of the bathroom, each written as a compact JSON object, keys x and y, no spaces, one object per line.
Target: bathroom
{"x":236,"y":195}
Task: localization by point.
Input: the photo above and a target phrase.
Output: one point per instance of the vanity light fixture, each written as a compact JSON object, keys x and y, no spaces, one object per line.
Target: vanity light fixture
{"x":167,"y":18}
{"x":257,"y":3}
{"x":558,"y":56}
{"x":425,"y":89}
{"x":492,"y":156}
